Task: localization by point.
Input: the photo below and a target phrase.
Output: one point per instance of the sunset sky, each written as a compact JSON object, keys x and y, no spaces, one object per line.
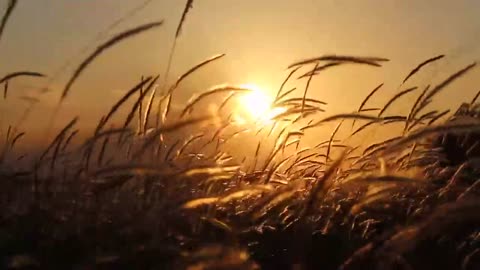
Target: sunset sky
{"x":260,"y":38}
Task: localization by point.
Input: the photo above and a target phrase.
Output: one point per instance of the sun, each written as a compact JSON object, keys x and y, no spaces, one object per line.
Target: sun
{"x":256,"y":105}
{"x":256,"y":102}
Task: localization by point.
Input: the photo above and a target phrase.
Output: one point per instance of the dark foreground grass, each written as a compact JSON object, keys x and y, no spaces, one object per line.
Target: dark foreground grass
{"x":169,"y":191}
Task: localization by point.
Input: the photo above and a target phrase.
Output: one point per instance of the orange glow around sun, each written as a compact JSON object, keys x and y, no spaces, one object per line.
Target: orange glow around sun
{"x":256,"y":106}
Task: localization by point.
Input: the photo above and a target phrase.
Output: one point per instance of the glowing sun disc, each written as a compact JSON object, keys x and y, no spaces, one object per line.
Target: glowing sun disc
{"x":257,"y":104}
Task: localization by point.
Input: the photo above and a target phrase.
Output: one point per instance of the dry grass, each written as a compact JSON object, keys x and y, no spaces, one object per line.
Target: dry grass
{"x":164,"y":198}
{"x":397,"y":96}
{"x":8,"y":12}
{"x":421,"y":65}
{"x":105,"y":46}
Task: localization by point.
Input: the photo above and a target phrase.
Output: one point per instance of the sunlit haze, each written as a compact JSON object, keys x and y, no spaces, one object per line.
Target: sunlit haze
{"x":256,"y":105}
{"x":240,"y":134}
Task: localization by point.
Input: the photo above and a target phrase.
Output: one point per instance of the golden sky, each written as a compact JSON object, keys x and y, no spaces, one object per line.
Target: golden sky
{"x":260,"y":38}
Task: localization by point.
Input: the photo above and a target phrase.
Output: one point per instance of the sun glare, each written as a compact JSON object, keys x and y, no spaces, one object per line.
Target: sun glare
{"x":256,"y":105}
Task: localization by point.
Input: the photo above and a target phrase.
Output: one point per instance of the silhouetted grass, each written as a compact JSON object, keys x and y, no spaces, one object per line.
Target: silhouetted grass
{"x":177,"y":195}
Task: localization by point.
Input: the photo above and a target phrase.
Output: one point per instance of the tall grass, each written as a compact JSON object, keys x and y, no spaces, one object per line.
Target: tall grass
{"x":127,"y":199}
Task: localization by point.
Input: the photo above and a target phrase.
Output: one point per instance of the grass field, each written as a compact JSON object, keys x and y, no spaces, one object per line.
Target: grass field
{"x":155,"y":186}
